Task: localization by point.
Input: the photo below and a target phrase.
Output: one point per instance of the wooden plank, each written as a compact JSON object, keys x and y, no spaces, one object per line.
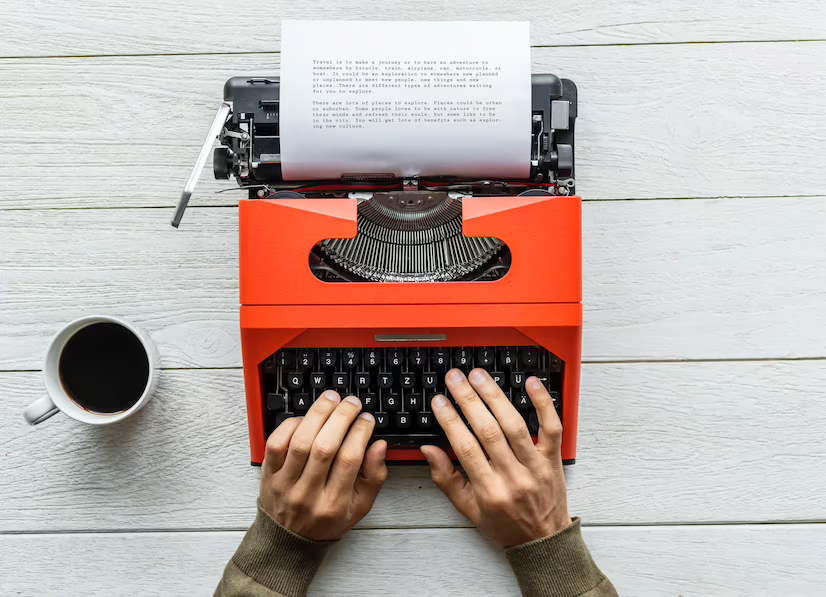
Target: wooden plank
{"x":160,"y":26}
{"x":725,"y":561}
{"x":734,"y":278}
{"x":659,"y":443}
{"x":655,"y":121}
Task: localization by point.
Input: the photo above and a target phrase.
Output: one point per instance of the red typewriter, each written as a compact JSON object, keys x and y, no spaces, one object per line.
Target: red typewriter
{"x":378,"y":287}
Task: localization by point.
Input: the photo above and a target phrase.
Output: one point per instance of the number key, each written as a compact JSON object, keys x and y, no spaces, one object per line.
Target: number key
{"x":284,"y":357}
{"x":306,"y":358}
{"x":351,"y":357}
{"x":507,"y":357}
{"x":329,"y":357}
{"x":417,"y":357}
{"x":441,"y":358}
{"x":372,"y":358}
{"x":395,"y":357}
{"x":528,"y":357}
{"x":484,"y":357}
{"x":461,"y":358}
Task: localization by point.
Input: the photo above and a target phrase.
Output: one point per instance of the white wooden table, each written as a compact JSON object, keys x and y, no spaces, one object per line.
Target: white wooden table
{"x":701,"y":141}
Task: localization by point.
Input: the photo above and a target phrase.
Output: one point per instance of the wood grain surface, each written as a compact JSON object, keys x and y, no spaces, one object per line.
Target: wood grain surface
{"x":662,"y":279}
{"x":723,"y":561}
{"x":702,"y":405}
{"x":659,"y":443}
{"x":669,"y":121}
{"x":203,"y":26}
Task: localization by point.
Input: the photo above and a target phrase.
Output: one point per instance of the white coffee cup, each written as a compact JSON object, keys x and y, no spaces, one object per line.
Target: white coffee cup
{"x":58,"y":399}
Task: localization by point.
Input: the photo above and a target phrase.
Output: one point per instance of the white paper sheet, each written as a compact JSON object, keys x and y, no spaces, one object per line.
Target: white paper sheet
{"x":405,"y":98}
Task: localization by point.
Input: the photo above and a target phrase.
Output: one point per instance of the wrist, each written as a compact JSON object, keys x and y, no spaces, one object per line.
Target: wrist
{"x":558,"y":565}
{"x":277,"y":558}
{"x":552,"y":527}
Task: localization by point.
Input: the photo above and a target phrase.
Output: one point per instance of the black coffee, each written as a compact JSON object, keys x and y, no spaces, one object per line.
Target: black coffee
{"x":104,"y":368}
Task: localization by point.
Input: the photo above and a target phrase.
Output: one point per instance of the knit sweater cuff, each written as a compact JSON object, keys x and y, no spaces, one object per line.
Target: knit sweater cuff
{"x":277,"y":558}
{"x":556,"y":566}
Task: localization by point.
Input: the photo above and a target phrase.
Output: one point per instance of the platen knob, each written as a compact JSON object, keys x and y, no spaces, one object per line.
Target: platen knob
{"x":221,"y":163}
{"x":564,"y":160}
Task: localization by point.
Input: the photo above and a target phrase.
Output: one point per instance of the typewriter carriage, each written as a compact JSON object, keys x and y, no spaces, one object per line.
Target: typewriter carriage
{"x":247,"y":125}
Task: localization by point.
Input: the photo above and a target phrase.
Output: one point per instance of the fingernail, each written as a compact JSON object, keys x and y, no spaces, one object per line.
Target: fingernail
{"x":477,"y":376}
{"x":438,"y":401}
{"x":366,"y":416}
{"x":534,"y":383}
{"x":426,"y":455}
{"x":330,"y":395}
{"x":353,"y":400}
{"x":455,"y":376}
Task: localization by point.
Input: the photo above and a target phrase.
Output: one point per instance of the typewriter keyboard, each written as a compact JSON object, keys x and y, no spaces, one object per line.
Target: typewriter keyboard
{"x":397,"y":384}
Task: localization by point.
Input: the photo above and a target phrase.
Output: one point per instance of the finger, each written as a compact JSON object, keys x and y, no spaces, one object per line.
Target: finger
{"x":550,"y":427}
{"x":305,"y":435}
{"x":278,"y":443}
{"x":348,"y":461}
{"x":462,"y":441}
{"x":484,"y":424}
{"x":328,"y":441}
{"x":511,"y":422}
{"x":451,"y":482}
{"x":372,"y":477}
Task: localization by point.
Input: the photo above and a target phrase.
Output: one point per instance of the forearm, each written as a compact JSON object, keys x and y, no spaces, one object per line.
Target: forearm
{"x":271,"y":562}
{"x":558,"y":566}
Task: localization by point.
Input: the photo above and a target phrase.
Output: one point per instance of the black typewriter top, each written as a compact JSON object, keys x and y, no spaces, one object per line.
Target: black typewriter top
{"x":248,"y":128}
{"x":410,"y":230}
{"x":252,"y":150}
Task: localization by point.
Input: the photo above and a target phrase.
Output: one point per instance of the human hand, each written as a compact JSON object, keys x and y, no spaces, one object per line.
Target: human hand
{"x":519,"y":495}
{"x":312,"y":479}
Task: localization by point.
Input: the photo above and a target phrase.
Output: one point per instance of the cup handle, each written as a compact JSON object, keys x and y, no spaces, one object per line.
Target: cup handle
{"x":40,"y":410}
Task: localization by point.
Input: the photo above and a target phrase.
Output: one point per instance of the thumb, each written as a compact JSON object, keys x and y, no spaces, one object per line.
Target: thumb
{"x":452,"y":483}
{"x":373,"y":473}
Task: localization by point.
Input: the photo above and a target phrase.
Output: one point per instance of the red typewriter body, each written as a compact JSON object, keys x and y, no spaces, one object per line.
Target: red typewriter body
{"x":438,"y":272}
{"x":537,"y":303}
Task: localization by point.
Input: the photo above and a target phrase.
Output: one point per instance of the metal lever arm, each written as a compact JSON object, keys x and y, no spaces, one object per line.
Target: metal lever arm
{"x":214,"y":130}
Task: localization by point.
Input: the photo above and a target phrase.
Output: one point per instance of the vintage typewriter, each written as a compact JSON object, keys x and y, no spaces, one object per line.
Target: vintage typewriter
{"x":376,"y":286}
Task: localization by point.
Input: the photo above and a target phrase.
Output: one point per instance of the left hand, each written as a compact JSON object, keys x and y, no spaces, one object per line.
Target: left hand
{"x":312,"y":479}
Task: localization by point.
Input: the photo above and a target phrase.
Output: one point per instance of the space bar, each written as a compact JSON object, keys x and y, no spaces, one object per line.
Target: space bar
{"x":410,"y":439}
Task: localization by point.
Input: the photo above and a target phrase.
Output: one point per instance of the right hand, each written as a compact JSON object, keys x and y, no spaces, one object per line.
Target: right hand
{"x":519,"y":495}
{"x":319,"y":478}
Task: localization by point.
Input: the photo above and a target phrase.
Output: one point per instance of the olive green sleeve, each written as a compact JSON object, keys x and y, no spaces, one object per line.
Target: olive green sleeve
{"x":558,"y":566}
{"x":271,"y":562}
